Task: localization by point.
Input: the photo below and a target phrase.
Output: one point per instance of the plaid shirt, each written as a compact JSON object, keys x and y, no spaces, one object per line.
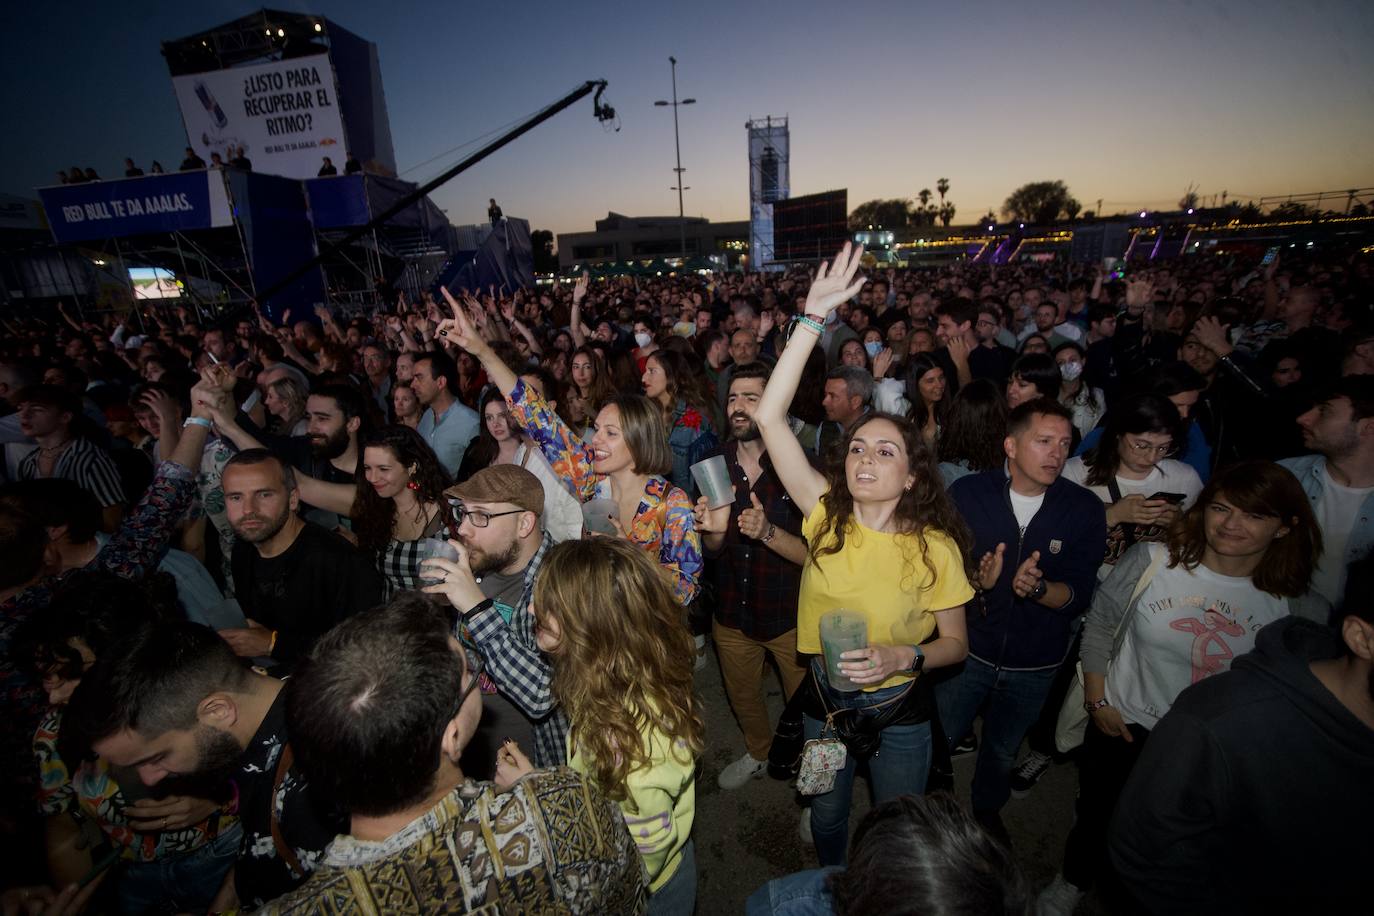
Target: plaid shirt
{"x":756,"y":590}
{"x":519,"y":670}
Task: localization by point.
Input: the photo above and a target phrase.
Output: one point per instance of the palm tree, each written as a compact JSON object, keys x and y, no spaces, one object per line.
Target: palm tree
{"x":924,"y":195}
{"x":946,"y":213}
{"x":942,"y":185}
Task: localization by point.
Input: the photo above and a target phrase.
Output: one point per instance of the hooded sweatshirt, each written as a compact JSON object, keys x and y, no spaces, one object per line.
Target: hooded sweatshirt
{"x":1255,"y":793}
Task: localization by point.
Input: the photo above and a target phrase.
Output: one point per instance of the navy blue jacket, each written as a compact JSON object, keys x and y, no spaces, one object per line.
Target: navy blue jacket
{"x":1069,"y":530}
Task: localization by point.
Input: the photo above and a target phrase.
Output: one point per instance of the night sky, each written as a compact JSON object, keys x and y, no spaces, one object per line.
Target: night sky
{"x":1128,"y":102}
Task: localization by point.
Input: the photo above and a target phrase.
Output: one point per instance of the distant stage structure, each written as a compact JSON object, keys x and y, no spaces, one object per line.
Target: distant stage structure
{"x":769,"y":182}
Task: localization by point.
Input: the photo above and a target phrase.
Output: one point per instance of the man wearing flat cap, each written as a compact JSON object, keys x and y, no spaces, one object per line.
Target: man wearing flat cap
{"x":501,"y":542}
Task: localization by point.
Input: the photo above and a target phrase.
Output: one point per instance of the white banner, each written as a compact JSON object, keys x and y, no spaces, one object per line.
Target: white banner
{"x":284,"y":114}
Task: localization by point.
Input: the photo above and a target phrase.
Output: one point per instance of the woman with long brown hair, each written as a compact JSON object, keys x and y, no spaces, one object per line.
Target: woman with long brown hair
{"x":622,"y":671}
{"x":589,"y":387}
{"x":885,"y":544}
{"x":688,"y":413}
{"x":1171,"y":614}
{"x":400,"y":502}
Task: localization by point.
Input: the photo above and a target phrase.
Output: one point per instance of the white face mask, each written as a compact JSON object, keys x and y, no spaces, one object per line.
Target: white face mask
{"x":644,"y":338}
{"x":1071,"y":370}
{"x":874,"y":347}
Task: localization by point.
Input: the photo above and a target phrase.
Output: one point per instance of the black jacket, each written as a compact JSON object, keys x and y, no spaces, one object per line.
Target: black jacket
{"x":1069,"y":530}
{"x":1255,"y":793}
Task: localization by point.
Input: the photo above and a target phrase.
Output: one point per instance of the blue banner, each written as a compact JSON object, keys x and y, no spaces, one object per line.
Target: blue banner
{"x":136,"y":206}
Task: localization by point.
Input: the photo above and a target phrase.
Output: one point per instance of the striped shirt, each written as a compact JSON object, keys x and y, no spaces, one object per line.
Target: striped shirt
{"x":85,"y":463}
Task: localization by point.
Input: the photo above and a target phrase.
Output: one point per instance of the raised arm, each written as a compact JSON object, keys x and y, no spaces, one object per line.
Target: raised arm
{"x":568,"y":457}
{"x":575,"y":318}
{"x":831,"y":286}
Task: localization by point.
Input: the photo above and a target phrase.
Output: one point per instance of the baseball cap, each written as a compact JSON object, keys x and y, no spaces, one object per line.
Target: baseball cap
{"x":502,"y":483}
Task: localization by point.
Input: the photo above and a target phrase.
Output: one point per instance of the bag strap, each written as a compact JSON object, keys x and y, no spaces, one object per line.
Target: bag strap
{"x":1141,"y":584}
{"x":285,"y":851}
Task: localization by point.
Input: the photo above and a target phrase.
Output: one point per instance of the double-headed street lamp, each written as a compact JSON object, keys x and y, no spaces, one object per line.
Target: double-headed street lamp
{"x":677,"y":147}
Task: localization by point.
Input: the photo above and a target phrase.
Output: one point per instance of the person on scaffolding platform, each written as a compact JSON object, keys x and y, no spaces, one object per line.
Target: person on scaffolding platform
{"x":494,"y":212}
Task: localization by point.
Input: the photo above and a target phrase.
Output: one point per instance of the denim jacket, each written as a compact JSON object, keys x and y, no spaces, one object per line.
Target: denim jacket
{"x":1308,"y":469}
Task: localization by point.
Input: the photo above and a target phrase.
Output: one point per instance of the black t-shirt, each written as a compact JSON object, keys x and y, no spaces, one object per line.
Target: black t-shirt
{"x":303,"y":592}
{"x":307,"y":822}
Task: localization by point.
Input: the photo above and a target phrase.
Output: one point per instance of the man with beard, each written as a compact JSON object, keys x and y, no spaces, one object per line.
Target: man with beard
{"x":501,"y":544}
{"x":1252,"y":794}
{"x":335,"y":416}
{"x":1339,"y":479}
{"x":754,"y":550}
{"x":293,"y":579}
{"x":173,"y":700}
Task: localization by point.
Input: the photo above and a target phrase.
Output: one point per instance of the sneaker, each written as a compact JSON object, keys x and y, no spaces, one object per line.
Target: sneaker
{"x":1060,"y":898}
{"x":804,"y":828}
{"x":1028,"y":773}
{"x":967,"y":746}
{"x":740,"y":772}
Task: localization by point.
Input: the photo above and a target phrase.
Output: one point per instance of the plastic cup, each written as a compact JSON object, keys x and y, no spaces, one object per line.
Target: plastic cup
{"x":597,"y":515}
{"x":433,"y":548}
{"x":713,"y":480}
{"x":841,"y":631}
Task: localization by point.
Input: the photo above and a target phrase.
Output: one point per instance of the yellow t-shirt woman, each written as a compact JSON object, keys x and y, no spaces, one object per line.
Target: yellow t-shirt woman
{"x":885,"y":577}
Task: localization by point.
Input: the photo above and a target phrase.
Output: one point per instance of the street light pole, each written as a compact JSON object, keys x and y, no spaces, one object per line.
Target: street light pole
{"x":677,"y":149}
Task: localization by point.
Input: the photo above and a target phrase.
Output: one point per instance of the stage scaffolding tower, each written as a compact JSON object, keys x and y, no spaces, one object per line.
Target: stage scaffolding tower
{"x":769,"y":181}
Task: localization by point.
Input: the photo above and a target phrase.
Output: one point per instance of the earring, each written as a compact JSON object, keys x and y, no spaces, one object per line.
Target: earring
{"x":412,"y":485}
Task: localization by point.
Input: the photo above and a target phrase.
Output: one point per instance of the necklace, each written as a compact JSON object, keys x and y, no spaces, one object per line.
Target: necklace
{"x":54,"y":449}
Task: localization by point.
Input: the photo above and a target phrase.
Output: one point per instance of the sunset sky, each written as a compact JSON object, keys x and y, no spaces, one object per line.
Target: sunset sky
{"x":1130,"y":102}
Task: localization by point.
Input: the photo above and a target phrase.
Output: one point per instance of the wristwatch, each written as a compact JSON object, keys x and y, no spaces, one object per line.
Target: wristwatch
{"x":918,"y":662}
{"x":1091,"y":707}
{"x":1038,"y":592}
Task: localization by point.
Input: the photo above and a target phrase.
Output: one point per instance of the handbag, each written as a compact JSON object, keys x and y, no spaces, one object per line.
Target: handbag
{"x":821,"y":759}
{"x":1072,"y":723}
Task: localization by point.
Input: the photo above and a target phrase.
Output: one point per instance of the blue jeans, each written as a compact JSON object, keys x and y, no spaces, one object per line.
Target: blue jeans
{"x":805,"y":893}
{"x":679,"y":896}
{"x":898,"y":768}
{"x":177,"y":884}
{"x":1010,"y":702}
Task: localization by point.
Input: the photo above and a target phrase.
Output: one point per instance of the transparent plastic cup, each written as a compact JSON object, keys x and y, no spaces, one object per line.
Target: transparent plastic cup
{"x":841,"y":631}
{"x":713,"y":480}
{"x":437,"y":549}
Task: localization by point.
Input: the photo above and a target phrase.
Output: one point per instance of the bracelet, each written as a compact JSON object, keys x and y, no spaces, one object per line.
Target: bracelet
{"x":1091,"y":706}
{"x":772,"y":530}
{"x":807,"y":321}
{"x":197,"y":421}
{"x":272,"y":644}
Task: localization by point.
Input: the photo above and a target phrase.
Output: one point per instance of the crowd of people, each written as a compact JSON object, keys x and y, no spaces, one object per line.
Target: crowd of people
{"x":234,"y":157}
{"x":401,"y":612}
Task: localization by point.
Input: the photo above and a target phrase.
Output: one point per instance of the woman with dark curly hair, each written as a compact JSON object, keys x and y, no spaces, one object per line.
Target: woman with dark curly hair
{"x":400,"y":501}
{"x":688,"y":414}
{"x":884,"y":543}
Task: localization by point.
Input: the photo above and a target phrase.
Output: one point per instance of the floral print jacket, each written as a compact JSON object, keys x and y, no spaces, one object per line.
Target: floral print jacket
{"x":663,"y":523}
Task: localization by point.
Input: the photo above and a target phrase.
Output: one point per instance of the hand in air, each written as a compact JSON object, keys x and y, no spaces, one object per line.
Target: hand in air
{"x":835,"y":283}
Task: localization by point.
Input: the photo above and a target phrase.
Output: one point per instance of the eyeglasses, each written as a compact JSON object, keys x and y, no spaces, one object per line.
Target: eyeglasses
{"x":478,"y":519}
{"x":475,"y":670}
{"x":1143,"y":447}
